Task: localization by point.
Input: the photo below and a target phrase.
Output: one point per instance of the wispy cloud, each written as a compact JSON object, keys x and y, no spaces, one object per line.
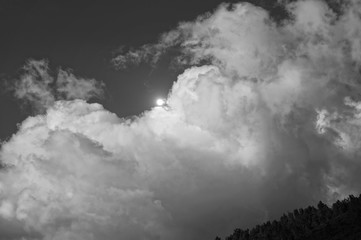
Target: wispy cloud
{"x":40,"y":89}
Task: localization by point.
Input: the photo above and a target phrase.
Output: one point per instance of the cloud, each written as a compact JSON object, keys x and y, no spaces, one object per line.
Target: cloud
{"x":38,"y":88}
{"x":270,"y":124}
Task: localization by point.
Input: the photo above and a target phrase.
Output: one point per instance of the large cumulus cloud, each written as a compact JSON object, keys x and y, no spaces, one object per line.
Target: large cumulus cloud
{"x":270,"y":124}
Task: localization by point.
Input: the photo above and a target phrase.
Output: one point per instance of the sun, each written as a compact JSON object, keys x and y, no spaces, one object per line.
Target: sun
{"x":160,"y":102}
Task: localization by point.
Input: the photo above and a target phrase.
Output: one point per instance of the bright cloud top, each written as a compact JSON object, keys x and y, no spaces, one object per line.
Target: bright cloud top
{"x":272,"y":123}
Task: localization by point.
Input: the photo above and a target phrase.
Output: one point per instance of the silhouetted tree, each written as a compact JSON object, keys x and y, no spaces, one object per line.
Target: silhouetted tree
{"x":341,"y":221}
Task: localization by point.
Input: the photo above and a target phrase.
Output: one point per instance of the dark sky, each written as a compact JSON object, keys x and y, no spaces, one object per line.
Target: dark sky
{"x":84,"y":36}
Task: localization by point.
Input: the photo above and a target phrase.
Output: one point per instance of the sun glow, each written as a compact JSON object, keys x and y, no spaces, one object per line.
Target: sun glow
{"x":160,"y":102}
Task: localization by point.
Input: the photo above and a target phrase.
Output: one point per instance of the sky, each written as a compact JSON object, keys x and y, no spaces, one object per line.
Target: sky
{"x":262,"y":115}
{"x":84,"y":36}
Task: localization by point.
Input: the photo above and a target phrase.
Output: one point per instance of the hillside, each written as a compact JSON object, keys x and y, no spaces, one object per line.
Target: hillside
{"x":342,"y":221}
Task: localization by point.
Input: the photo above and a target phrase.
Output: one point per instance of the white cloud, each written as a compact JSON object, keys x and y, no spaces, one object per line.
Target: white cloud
{"x":34,"y":86}
{"x":40,"y":89}
{"x":271,"y":124}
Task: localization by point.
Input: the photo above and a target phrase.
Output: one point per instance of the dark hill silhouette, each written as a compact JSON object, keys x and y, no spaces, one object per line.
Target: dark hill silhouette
{"x":340,"y":222}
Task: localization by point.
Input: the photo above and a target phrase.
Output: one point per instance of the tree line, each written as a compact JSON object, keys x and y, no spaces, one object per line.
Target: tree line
{"x":341,"y":221}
